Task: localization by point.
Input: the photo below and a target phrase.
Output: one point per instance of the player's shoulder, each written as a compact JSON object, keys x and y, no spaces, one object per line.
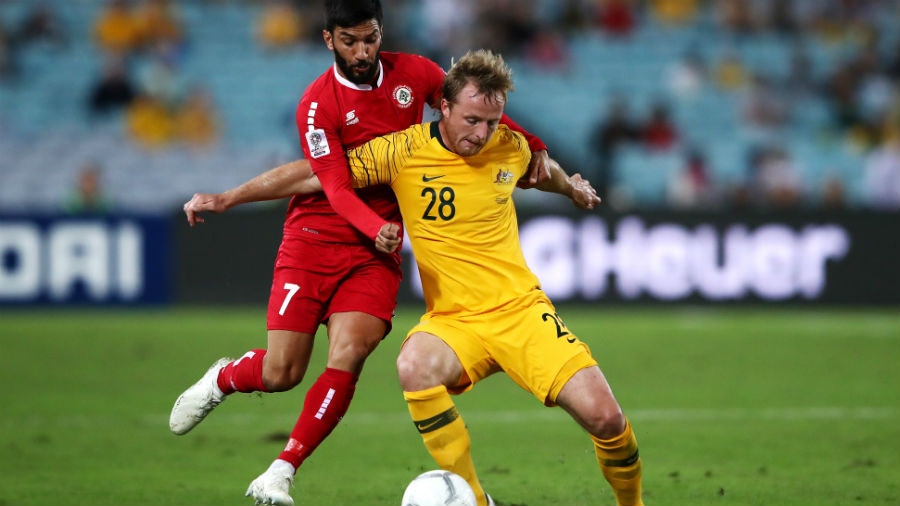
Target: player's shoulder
{"x":405,"y":144}
{"x":509,"y":137}
{"x":319,"y":99}
{"x":422,"y":133}
{"x":509,"y":145}
{"x":321,"y":87}
{"x":413,"y":137}
{"x":394,"y":57}
{"x":408,"y":63}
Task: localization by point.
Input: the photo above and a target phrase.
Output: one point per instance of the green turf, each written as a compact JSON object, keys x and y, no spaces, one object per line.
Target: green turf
{"x":736,"y":407}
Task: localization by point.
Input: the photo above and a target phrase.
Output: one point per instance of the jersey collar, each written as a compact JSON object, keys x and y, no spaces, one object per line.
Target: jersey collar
{"x":360,"y":87}
{"x":435,"y":131}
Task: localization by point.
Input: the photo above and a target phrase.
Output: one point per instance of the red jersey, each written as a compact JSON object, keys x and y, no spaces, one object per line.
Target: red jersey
{"x":335,"y":114}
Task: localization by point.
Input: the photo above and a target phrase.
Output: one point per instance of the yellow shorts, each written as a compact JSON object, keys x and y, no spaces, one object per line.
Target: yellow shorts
{"x":525,"y":338}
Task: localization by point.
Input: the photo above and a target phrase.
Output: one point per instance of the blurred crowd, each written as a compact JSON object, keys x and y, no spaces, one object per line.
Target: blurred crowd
{"x":144,"y":45}
{"x":860,"y":90}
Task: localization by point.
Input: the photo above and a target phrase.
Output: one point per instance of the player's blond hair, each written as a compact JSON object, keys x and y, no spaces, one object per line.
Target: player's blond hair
{"x":487,"y":70}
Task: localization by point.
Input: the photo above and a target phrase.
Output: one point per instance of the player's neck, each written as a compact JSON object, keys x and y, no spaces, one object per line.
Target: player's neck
{"x":371,"y":85}
{"x":439,"y":132}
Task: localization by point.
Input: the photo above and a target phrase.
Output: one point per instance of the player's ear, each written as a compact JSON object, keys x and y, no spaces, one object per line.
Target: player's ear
{"x":329,"y":39}
{"x":445,"y":107}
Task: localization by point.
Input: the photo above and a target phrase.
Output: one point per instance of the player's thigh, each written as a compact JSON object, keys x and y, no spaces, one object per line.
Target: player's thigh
{"x":369,"y":285}
{"x":589,"y":399}
{"x":458,"y":365}
{"x":305,"y":277}
{"x":535,"y":348}
{"x":426,"y":361}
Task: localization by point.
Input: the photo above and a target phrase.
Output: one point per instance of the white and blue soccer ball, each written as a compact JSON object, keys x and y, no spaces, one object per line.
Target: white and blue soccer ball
{"x":438,"y":488}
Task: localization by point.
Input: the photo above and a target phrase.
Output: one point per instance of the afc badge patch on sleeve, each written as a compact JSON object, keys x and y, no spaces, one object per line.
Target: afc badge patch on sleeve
{"x":318,"y":144}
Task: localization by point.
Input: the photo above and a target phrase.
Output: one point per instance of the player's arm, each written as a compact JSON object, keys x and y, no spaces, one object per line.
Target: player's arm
{"x":579,"y":190}
{"x":539,"y":167}
{"x":337,"y":187}
{"x":322,"y":146}
{"x":283,"y":181}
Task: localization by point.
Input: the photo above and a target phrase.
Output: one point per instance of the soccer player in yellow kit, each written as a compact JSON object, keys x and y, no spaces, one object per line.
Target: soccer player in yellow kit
{"x":485,"y":310}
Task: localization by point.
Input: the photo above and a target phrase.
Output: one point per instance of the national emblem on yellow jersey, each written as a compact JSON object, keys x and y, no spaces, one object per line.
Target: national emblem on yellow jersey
{"x":461,"y":207}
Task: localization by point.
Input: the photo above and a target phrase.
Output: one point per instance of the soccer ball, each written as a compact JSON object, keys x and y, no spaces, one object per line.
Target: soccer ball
{"x":438,"y":488}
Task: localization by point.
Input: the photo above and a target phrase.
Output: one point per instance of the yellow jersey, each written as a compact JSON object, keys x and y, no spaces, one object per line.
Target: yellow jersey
{"x":458,"y":212}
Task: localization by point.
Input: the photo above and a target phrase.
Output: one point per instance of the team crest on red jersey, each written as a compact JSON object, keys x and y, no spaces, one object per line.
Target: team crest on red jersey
{"x":403,"y":96}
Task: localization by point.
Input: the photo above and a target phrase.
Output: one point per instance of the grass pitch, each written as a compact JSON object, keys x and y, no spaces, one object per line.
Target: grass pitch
{"x":731,"y":407}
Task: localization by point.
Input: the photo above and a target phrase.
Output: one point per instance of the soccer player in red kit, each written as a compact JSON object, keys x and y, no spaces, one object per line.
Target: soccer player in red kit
{"x":328,"y":269}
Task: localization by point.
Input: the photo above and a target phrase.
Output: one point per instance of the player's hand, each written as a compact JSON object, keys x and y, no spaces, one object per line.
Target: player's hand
{"x":584,"y":196}
{"x":538,"y":170}
{"x":203,"y":202}
{"x":388,"y":238}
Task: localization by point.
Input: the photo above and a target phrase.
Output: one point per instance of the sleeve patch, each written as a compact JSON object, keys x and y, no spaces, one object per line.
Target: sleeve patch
{"x":318,"y":143}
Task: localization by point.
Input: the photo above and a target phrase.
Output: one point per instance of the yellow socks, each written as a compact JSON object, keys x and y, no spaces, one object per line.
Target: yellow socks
{"x":444,"y":433}
{"x":447,"y":440}
{"x":621,"y":465}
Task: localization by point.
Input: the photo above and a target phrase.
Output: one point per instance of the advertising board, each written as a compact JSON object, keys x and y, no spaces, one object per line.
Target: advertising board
{"x":85,"y":260}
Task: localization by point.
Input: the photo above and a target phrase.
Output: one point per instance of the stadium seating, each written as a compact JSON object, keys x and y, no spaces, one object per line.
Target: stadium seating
{"x":45,"y":133}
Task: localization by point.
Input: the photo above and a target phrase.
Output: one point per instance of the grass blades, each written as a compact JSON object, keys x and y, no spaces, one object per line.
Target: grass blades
{"x":730,"y":406}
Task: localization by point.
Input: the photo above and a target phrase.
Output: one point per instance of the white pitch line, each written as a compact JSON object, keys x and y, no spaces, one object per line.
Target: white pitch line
{"x":664,"y":415}
{"x":251,"y":417}
{"x":542,"y":415}
{"x":786,"y":414}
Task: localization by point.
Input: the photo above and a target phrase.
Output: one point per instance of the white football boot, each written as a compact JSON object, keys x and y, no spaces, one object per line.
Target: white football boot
{"x":273,"y":486}
{"x":196,"y":402}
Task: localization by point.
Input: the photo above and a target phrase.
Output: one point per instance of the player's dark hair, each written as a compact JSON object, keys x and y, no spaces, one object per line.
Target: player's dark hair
{"x":487,"y":70}
{"x":347,"y":13}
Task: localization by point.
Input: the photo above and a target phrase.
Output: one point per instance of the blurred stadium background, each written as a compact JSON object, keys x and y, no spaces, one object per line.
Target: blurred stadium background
{"x":769,"y":181}
{"x":745,"y":150}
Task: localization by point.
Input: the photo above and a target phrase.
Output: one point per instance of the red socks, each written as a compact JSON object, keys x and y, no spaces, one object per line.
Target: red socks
{"x":244,"y":374}
{"x":326,"y":403}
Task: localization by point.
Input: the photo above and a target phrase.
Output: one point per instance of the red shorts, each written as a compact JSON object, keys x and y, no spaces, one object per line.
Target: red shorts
{"x":313,"y":280}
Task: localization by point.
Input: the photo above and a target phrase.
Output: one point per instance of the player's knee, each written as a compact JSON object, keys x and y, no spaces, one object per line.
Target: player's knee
{"x":279,"y":378}
{"x":606,"y":423}
{"x":425,"y":361}
{"x":350,"y":355}
{"x":417,"y":371}
{"x":408,"y":368}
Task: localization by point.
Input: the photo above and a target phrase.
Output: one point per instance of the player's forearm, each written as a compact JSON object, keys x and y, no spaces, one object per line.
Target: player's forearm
{"x":558,"y":181}
{"x":283,"y":181}
{"x":339,"y":190}
{"x":577,"y":189}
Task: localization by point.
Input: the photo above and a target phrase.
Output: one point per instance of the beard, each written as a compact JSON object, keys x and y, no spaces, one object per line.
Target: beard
{"x":355,"y":75}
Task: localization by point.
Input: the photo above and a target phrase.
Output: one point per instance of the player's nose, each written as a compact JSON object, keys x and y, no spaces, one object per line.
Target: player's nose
{"x":361,"y":52}
{"x":482,"y":130}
